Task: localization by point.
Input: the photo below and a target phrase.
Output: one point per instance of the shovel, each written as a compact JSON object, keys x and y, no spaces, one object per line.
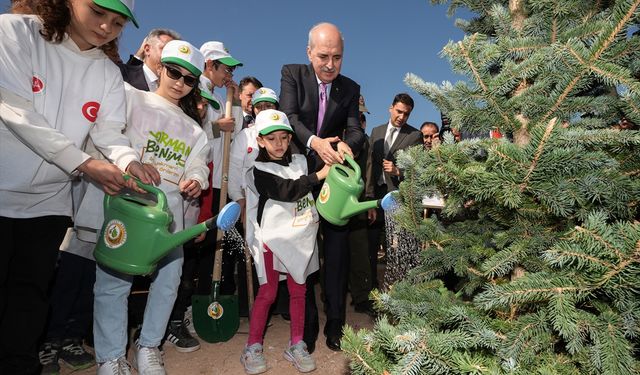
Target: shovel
{"x":248,"y":264}
{"x":216,"y":317}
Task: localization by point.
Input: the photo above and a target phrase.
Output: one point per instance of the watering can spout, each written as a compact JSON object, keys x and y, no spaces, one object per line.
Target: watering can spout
{"x":355,"y":207}
{"x":338,"y":199}
{"x":224,"y":221}
{"x":387,"y":203}
{"x":169,"y":241}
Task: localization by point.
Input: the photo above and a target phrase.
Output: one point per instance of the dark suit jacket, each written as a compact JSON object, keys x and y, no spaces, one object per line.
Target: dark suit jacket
{"x":134,"y":75}
{"x":134,"y":61}
{"x":408,"y":136}
{"x":299,"y":100}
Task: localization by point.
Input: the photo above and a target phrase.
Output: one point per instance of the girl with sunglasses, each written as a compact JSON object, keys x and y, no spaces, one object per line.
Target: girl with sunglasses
{"x":164,"y":127}
{"x":47,"y":111}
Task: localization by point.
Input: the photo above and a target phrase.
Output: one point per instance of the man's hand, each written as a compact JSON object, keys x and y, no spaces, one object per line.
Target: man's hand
{"x":190,"y":188}
{"x":200,"y":237}
{"x":344,"y":148}
{"x":108,"y":175}
{"x":372,"y":215}
{"x":324,"y":149}
{"x":232,"y":85}
{"x":146,"y":173}
{"x":390,"y":168}
{"x":226,"y":124}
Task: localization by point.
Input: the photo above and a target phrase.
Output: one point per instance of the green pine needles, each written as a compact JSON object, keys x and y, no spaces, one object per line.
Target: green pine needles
{"x":533,"y":266}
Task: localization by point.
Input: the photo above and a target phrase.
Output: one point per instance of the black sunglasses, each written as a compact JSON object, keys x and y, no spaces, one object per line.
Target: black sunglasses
{"x":176,"y":74}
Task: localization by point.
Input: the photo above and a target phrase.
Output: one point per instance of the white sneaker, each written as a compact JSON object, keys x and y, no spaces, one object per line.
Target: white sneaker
{"x":148,"y":361}
{"x":300,"y":357}
{"x":118,"y":366}
{"x":253,"y":360}
{"x":188,"y":321}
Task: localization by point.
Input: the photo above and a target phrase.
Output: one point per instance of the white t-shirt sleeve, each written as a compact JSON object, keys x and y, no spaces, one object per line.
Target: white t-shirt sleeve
{"x":107,"y":134}
{"x":35,"y":132}
{"x":15,"y":56}
{"x":236,"y":166}
{"x":236,"y":113}
{"x":16,"y":98}
{"x":196,"y":164}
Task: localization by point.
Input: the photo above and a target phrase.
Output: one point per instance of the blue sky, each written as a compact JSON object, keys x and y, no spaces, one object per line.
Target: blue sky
{"x":384,"y":40}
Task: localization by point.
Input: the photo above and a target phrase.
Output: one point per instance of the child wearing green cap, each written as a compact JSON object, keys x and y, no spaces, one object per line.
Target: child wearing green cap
{"x":244,"y":148}
{"x":283,"y":221}
{"x":164,"y":126}
{"x":47,"y":111}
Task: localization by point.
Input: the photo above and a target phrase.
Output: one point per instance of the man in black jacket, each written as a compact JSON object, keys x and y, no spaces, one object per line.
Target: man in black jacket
{"x":322,"y":106}
{"x":144,"y":76}
{"x":383,"y":174}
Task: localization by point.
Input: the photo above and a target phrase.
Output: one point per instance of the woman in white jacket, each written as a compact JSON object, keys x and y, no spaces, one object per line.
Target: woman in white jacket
{"x":47,"y":110}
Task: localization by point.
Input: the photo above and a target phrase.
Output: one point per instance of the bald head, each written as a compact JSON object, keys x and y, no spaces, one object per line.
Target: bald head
{"x":324,"y":30}
{"x":324,"y":50}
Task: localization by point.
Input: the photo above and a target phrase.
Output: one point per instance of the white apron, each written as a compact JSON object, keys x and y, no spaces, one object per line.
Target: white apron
{"x":288,"y":228}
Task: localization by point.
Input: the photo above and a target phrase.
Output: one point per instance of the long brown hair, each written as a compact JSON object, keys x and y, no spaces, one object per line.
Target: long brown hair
{"x":189,"y":102}
{"x":56,"y":17}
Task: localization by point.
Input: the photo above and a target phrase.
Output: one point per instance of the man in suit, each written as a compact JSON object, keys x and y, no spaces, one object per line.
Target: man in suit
{"x":383,"y":175}
{"x":247,"y":86}
{"x":322,"y":106}
{"x":144,"y":76}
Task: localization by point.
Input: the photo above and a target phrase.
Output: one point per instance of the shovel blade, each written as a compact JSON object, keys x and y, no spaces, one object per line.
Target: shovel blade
{"x":215,"y":320}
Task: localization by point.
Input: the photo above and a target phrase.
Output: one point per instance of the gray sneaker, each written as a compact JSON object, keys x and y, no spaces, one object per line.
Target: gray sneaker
{"x":118,"y":366}
{"x":253,"y":359}
{"x":148,"y":361}
{"x":300,"y":357}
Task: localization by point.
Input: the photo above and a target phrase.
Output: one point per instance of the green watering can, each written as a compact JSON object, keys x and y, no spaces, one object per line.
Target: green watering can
{"x":135,"y":236}
{"x":338,"y":199}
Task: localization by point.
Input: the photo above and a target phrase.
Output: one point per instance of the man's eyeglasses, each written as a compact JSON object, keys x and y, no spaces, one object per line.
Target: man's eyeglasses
{"x":176,"y":74}
{"x":228,"y":70}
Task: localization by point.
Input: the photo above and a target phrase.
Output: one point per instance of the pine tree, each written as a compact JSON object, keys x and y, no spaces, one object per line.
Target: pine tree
{"x":540,"y":233}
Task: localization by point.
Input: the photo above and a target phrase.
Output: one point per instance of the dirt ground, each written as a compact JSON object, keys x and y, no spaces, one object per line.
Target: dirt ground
{"x":224,"y":358}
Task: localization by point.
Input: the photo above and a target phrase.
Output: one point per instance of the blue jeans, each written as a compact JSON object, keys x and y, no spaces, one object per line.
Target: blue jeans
{"x":110,"y":307}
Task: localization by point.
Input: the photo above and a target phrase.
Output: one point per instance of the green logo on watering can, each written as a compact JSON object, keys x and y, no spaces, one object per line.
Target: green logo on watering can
{"x":115,"y":234}
{"x":325,"y":192}
{"x":215,"y":310}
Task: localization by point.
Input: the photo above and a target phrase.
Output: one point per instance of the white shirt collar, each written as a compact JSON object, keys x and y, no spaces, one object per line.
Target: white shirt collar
{"x":150,"y":77}
{"x":328,"y":86}
{"x":390,"y":126}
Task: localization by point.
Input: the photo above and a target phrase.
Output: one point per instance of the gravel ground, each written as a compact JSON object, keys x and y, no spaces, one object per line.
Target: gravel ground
{"x":224,"y":358}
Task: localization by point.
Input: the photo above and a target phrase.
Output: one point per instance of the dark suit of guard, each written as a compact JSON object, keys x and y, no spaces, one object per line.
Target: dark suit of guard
{"x":407,"y":136}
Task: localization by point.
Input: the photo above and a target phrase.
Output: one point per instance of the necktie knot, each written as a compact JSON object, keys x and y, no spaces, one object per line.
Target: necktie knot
{"x":248,"y":119}
{"x":388,"y":140}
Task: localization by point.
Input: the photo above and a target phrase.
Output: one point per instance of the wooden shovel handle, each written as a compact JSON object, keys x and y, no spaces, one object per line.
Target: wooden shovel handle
{"x":217,"y":263}
{"x":247,"y":260}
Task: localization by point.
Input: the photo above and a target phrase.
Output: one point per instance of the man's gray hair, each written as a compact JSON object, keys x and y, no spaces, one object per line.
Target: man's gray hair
{"x":154,"y":34}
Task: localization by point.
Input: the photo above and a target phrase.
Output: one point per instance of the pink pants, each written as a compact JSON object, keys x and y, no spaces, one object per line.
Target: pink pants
{"x":267,"y":295}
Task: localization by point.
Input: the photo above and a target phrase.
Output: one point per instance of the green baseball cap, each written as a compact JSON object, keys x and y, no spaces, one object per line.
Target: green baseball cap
{"x":124,"y":7}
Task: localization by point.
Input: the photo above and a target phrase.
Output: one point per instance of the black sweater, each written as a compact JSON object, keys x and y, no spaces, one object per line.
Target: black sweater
{"x":274,"y":187}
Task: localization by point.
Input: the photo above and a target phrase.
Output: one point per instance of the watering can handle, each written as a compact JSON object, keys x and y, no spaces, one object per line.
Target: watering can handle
{"x":159,"y":194}
{"x":354,"y":166}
